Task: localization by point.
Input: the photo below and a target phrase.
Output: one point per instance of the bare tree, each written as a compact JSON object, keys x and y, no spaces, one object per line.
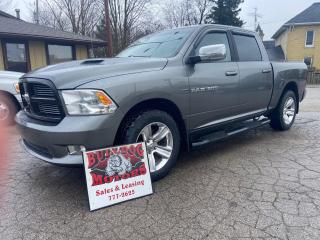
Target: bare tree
{"x":202,"y":9}
{"x":130,"y":19}
{"x":5,"y":4}
{"x":185,"y":12}
{"x":78,"y":16}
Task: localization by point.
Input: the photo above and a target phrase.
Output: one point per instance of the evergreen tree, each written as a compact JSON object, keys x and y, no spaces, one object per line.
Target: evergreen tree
{"x":225,"y":12}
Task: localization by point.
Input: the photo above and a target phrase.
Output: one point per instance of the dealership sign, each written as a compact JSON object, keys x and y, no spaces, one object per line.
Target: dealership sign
{"x":117,"y":174}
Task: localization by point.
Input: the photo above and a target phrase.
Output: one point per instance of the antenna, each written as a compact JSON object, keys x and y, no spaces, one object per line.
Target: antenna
{"x":256,"y":15}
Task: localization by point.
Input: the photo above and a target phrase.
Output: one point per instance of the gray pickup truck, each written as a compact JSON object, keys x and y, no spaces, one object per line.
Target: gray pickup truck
{"x":183,"y":87}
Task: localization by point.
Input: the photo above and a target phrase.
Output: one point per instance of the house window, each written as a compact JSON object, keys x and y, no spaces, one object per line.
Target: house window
{"x":310,"y":38}
{"x":16,"y":57}
{"x":308,"y":61}
{"x":60,"y":53}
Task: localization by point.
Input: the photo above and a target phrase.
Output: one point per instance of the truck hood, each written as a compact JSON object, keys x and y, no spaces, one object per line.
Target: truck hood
{"x":73,"y":74}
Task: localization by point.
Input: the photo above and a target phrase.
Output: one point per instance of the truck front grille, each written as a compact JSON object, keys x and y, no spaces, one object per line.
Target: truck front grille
{"x":41,"y":101}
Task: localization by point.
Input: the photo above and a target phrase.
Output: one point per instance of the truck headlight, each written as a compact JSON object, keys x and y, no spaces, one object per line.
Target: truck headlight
{"x":88,"y":102}
{"x":17,"y":87}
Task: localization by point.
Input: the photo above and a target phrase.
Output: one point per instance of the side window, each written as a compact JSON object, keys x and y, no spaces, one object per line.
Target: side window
{"x":212,"y":39}
{"x":309,"y":38}
{"x":248,"y":48}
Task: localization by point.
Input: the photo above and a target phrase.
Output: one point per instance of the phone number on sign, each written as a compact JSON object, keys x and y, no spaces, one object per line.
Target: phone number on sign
{"x":121,"y":195}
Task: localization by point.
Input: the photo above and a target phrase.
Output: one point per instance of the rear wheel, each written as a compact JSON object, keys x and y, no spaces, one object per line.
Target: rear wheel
{"x":8,"y":110}
{"x":284,"y":115}
{"x":161,"y":135}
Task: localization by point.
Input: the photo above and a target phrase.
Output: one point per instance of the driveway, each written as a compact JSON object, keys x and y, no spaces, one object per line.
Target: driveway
{"x":258,"y":185}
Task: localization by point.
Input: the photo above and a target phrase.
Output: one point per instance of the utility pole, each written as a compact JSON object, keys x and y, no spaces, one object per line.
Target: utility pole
{"x":108,"y":29}
{"x":256,"y":15}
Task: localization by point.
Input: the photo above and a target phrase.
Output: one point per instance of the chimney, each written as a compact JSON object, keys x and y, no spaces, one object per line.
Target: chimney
{"x":18,"y":13}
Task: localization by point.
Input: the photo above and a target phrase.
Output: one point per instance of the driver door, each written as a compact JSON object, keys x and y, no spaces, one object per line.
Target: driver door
{"x":214,"y":85}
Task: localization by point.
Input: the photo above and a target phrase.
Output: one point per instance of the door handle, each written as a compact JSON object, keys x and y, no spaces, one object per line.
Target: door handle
{"x":266,"y":71}
{"x":231,"y":73}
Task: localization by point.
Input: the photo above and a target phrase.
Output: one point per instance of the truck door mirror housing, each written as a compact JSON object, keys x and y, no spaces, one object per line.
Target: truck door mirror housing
{"x":209,"y":53}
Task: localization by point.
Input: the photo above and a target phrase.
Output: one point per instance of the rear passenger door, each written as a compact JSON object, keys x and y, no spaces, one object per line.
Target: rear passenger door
{"x":256,"y":77}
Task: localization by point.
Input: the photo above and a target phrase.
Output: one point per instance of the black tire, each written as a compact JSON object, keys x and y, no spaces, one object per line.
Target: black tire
{"x":134,"y":126}
{"x":11,"y":110}
{"x":278,"y":121}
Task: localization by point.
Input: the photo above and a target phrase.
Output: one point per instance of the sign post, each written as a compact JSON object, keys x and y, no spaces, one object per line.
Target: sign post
{"x":117,"y":174}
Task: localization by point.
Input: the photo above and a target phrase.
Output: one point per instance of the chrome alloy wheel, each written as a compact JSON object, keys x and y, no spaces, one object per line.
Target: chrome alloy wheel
{"x":289,"y":110}
{"x":4,"y":111}
{"x":159,"y":144}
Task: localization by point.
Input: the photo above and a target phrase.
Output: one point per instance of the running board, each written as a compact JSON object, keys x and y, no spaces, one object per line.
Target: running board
{"x":235,"y":129}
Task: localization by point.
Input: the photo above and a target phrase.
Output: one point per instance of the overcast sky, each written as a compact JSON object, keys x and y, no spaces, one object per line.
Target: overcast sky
{"x":273,"y":13}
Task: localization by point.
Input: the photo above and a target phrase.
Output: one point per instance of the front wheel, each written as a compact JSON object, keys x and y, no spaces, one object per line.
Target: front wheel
{"x":284,"y":115}
{"x":161,"y":135}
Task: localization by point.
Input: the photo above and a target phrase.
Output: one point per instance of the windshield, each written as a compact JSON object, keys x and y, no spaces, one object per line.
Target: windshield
{"x":160,"y":45}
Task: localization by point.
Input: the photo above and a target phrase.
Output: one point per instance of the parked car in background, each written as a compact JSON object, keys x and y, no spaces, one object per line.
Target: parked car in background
{"x":10,"y":99}
{"x":192,"y":86}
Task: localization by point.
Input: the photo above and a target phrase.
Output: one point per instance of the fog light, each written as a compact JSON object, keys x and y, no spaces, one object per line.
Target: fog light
{"x":75,"y":149}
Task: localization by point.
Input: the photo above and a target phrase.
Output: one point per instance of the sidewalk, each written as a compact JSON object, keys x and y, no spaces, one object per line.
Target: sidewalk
{"x":312,"y":102}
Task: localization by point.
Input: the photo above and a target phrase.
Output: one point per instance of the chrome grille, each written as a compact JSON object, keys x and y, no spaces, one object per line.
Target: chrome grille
{"x":41,"y":101}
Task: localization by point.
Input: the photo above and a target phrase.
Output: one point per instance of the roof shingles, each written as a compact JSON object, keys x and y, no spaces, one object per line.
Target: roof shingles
{"x":309,"y":16}
{"x":13,"y":27}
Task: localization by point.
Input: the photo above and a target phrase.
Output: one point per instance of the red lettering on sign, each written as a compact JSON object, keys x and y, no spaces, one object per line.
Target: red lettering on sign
{"x":99,"y":155}
{"x":91,"y":159}
{"x":139,"y":150}
{"x":96,"y":179}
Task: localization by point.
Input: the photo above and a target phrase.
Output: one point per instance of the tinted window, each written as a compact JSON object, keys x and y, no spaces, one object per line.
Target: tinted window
{"x":248,"y":48}
{"x":212,"y":39}
{"x":16,"y":57}
{"x":59,"y":53}
{"x":309,"y":38}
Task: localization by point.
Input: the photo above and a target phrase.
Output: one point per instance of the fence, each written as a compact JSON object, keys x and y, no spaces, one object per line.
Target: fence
{"x":313,"y":77}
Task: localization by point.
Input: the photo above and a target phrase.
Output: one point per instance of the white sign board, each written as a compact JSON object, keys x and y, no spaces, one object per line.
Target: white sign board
{"x":117,"y":174}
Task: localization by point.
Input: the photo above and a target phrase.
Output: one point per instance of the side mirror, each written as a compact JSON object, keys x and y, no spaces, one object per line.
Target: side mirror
{"x":210,"y":53}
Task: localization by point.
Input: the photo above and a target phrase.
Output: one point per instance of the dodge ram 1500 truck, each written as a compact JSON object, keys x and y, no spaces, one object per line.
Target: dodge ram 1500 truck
{"x":182,"y":87}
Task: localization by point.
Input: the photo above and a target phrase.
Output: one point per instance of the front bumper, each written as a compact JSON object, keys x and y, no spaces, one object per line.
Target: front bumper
{"x":50,"y":142}
{"x":18,"y":97}
{"x":68,"y":160}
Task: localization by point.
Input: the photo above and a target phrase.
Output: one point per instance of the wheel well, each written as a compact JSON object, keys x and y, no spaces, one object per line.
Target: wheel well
{"x":293,"y":87}
{"x":13,"y":99}
{"x":152,"y":104}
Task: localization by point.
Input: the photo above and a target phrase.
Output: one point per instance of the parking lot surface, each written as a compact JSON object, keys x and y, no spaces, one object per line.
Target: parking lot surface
{"x":258,"y":185}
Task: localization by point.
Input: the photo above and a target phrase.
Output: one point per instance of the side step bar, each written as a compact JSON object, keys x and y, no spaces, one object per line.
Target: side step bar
{"x":235,"y":129}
